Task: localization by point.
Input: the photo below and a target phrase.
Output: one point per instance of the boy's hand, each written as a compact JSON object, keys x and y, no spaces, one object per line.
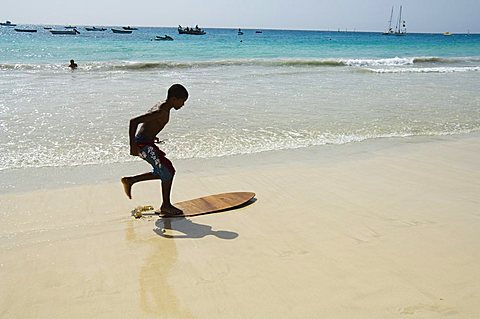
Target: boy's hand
{"x":134,"y":150}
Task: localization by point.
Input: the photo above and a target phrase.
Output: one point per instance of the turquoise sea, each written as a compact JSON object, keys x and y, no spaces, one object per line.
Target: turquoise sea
{"x":255,"y":92}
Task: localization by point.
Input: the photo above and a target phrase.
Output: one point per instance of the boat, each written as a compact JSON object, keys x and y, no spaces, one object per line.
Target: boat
{"x":187,"y":30}
{"x":95,"y":29}
{"x":121,"y":31}
{"x":240,"y":32}
{"x":70,"y":27}
{"x":400,"y":28}
{"x":129,"y":28}
{"x":163,"y":38}
{"x":390,"y":30}
{"x":258,"y":31}
{"x":7,"y":24}
{"x":65,"y":32}
{"x":47,"y":28}
{"x":447,"y":33}
{"x":26,"y":30}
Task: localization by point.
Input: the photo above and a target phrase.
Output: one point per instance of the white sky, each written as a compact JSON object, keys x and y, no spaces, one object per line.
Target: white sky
{"x":361,"y":15}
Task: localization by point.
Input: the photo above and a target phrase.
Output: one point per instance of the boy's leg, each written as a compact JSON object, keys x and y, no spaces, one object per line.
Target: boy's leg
{"x":167,"y":208}
{"x":129,"y":181}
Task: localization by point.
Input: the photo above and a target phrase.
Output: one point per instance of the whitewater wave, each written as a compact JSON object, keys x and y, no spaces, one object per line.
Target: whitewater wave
{"x":173,"y":65}
{"x":427,"y":70}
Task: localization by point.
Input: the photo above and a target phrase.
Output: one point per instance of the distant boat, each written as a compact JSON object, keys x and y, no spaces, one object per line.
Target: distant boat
{"x":187,"y":30}
{"x":400,"y":28}
{"x":129,"y":28}
{"x":258,"y":31}
{"x":65,"y":32}
{"x":47,"y":28}
{"x":163,"y":38}
{"x":26,"y":30}
{"x":7,"y":24}
{"x":95,"y":29}
{"x":121,"y":31}
{"x":390,"y":30}
{"x":447,"y":33}
{"x":240,"y":32}
{"x":70,"y":27}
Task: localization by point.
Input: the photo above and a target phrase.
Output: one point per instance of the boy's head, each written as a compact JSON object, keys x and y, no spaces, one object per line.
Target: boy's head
{"x":177,"y":94}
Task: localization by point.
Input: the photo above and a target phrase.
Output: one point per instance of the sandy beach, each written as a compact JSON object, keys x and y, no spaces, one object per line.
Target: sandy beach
{"x":379,"y":229}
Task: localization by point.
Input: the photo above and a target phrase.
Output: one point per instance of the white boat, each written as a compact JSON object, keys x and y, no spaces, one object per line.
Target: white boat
{"x":66,"y":32}
{"x":7,"y":24}
{"x":164,"y":38}
{"x":95,"y":29}
{"x":390,"y":30}
{"x":121,"y":31}
{"x":400,"y":28}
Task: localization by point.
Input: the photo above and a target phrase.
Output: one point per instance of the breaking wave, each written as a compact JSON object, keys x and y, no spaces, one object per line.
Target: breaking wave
{"x":124,"y":66}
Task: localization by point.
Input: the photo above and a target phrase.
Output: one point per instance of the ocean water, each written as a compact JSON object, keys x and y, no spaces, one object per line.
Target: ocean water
{"x":248,"y":93}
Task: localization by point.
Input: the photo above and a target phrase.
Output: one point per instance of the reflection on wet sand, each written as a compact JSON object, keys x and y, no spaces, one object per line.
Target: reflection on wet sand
{"x":157,"y":297}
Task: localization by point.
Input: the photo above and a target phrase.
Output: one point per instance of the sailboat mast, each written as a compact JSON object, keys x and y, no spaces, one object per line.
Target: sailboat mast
{"x":400,"y":21}
{"x":390,"y":21}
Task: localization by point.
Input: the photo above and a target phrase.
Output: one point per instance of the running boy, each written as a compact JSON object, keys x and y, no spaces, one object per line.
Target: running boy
{"x":142,"y":144}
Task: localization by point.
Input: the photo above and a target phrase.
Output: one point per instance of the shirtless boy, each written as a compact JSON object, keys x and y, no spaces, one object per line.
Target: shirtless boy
{"x":142,"y":144}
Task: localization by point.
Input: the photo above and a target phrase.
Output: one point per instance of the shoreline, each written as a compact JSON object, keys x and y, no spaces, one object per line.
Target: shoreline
{"x":28,"y":179}
{"x":385,"y":229}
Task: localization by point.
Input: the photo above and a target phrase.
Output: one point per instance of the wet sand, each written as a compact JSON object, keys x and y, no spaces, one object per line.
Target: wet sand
{"x":379,"y":229}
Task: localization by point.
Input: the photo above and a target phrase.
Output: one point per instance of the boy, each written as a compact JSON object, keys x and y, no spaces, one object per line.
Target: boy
{"x":142,"y":144}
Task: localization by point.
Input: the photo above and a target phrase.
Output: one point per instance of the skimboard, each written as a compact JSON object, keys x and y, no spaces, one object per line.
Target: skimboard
{"x":202,"y":205}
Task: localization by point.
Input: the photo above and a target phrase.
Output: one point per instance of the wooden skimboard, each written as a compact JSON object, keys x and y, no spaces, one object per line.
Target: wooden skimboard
{"x":213,"y":203}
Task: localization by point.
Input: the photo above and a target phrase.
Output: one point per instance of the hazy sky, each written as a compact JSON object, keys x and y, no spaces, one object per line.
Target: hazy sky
{"x":361,"y":15}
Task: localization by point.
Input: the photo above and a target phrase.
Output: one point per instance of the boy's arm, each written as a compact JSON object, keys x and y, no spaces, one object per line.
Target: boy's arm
{"x":132,"y":130}
{"x":131,"y":133}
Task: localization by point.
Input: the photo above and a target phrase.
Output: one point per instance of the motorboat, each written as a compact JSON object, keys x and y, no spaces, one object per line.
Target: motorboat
{"x":65,"y":32}
{"x":26,"y":30}
{"x":7,"y":24}
{"x":163,"y":38}
{"x":121,"y":31}
{"x":95,"y":29}
{"x":187,"y":30}
{"x":129,"y":28}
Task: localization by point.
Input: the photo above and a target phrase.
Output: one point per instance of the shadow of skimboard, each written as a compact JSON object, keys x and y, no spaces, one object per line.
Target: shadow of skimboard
{"x":206,"y":205}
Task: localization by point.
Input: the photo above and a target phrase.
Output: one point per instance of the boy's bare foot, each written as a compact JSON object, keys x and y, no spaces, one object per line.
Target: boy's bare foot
{"x":127,"y":186}
{"x":170,"y":210}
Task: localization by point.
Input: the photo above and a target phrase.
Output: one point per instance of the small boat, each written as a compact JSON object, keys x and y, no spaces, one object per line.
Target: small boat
{"x":66,"y":32}
{"x":240,"y":32}
{"x":47,"y":28}
{"x":26,"y":30}
{"x":390,"y":30}
{"x":70,"y":27}
{"x":164,"y":38}
{"x":258,"y":31}
{"x":7,"y":24}
{"x":95,"y":29}
{"x":129,"y":28}
{"x":447,"y":33}
{"x":187,"y":30}
{"x":121,"y":31}
{"x":400,"y":29}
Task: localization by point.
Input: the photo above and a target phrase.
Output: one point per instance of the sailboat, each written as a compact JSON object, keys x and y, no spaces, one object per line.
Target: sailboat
{"x":390,"y":30}
{"x":400,"y":28}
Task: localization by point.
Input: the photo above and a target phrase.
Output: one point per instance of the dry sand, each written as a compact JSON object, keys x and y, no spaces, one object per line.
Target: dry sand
{"x":382,"y":229}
